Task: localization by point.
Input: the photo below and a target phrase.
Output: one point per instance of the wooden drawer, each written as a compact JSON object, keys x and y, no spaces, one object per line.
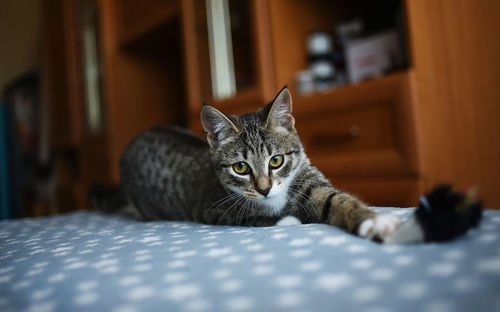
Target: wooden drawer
{"x":363,"y":130}
{"x":349,"y":131}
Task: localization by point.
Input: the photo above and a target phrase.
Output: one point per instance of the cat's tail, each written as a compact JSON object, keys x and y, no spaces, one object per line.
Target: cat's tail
{"x":108,"y":199}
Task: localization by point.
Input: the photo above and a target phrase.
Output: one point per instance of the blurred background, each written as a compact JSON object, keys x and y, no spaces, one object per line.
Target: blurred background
{"x":390,"y":97}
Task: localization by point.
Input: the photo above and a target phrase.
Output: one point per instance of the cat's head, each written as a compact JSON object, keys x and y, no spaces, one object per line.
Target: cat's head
{"x":258,"y":154}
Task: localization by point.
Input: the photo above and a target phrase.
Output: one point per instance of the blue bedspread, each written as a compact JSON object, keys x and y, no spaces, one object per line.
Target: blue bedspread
{"x":92,"y":262}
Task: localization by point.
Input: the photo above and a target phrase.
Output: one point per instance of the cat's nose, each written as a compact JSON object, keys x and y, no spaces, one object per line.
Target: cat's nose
{"x":263,"y":191}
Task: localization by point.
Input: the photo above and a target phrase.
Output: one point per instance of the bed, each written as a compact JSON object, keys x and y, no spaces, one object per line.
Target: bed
{"x":87,"y":261}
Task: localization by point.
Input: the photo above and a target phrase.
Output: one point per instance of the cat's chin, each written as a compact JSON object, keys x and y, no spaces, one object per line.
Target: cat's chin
{"x":275,"y":203}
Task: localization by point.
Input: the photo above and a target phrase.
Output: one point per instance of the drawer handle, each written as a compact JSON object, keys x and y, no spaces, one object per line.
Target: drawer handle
{"x":352,"y":133}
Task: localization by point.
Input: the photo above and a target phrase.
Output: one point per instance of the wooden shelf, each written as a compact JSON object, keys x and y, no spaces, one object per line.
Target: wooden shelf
{"x":350,"y":97}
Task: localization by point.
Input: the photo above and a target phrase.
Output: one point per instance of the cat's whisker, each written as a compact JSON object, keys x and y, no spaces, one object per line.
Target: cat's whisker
{"x":307,"y":200}
{"x":234,"y":205}
{"x":213,"y":209}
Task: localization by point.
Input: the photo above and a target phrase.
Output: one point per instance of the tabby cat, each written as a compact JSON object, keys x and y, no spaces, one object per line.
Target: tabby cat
{"x":252,"y":172}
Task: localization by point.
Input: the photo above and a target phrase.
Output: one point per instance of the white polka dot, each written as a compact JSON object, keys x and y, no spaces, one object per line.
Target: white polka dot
{"x":300,"y":253}
{"x":221,"y":274}
{"x":488,"y":238}
{"x":288,"y":281}
{"x":279,"y":236}
{"x":42,"y":293}
{"x":125,"y":308}
{"x":88,"y":285}
{"x":197,"y":304}
{"x":231,"y":285}
{"x":263,"y":269}
{"x":334,"y":282}
{"x":6,"y":270}
{"x":140,"y":293}
{"x":255,"y":247}
{"x":362,"y":264}
{"x":180,"y":242}
{"x":404,"y":260}
{"x":333,"y":240}
{"x":310,"y":266}
{"x":289,"y":300}
{"x":382,"y":274}
{"x":42,"y":264}
{"x":149,"y":239}
{"x":86,"y":298}
{"x":495,"y":219}
{"x":109,"y":270}
{"x":465,"y":284}
{"x":141,"y":258}
{"x":177,"y":264}
{"x":366,"y":294}
{"x":443,"y":269}
{"x":264,"y":257}
{"x":453,"y":254}
{"x":183,"y":292}
{"x":316,"y":233}
{"x":377,"y":309}
{"x":297,"y":242}
{"x":130,"y":280}
{"x":415,"y":290}
{"x":56,"y":278}
{"x":246,"y":241}
{"x":240,"y":304}
{"x":391,"y":248}
{"x":439,"y":306}
{"x":186,"y":254}
{"x":356,"y":249}
{"x":42,"y":307}
{"x":175,"y":277}
{"x":232,"y":259}
{"x":142,"y":267}
{"x":218,"y":252}
{"x":75,"y":265}
{"x":22,"y":284}
{"x":491,"y":265}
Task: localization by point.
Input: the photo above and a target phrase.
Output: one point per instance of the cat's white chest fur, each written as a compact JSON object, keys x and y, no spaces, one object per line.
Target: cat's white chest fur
{"x":276,"y":200}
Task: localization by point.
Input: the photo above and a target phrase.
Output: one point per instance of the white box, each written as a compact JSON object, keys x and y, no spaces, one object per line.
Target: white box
{"x":371,"y":57}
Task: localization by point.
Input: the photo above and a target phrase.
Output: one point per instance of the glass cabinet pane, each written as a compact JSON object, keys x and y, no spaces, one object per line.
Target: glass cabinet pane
{"x":225,"y":47}
{"x":88,"y":16}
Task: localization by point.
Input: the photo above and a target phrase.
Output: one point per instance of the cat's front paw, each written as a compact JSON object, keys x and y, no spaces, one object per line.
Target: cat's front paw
{"x":379,"y":227}
{"x":288,"y":220}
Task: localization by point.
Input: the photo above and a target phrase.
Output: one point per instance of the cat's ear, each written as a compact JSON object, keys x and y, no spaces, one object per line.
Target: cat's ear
{"x":217,"y":125}
{"x":279,"y":111}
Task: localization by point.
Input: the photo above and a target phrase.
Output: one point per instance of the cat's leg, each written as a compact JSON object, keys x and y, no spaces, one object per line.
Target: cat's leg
{"x":348,"y":212}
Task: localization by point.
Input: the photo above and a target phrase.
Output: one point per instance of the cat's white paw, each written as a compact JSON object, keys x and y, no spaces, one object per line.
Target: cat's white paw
{"x":379,"y":227}
{"x":288,"y":220}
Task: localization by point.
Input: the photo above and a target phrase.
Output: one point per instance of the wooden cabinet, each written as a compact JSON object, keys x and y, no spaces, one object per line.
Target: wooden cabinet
{"x":387,"y":140}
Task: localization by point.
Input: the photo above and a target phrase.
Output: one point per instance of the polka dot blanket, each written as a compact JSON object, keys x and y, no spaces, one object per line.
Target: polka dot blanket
{"x":87,"y":261}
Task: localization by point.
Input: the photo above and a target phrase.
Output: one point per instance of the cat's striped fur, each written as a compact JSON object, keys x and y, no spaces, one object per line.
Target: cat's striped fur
{"x":168,"y":173}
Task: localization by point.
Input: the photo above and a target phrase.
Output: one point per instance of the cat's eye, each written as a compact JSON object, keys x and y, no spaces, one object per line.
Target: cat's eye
{"x":241,"y":168}
{"x":276,"y":161}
